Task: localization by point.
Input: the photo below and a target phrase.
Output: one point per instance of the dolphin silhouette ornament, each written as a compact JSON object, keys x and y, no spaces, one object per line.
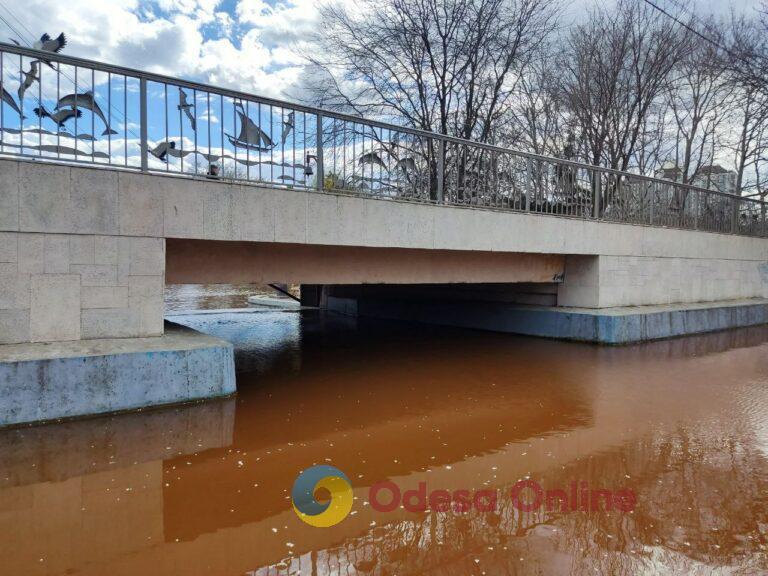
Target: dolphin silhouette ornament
{"x":371,"y":158}
{"x":85,"y":100}
{"x":162,"y":150}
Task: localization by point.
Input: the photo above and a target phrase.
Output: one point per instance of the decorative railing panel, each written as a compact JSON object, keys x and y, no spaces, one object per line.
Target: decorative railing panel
{"x":63,"y":109}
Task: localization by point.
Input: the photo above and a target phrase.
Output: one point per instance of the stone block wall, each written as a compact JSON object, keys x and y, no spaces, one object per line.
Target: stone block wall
{"x":75,"y":261}
{"x":57,"y":287}
{"x":612,"y":281}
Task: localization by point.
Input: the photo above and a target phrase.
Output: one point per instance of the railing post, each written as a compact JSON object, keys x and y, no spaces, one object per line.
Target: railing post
{"x":735,"y":214}
{"x":596,"y":186}
{"x":528,"y":185}
{"x":440,"y":170}
{"x":697,"y":206}
{"x":651,"y":198}
{"x":143,"y":124}
{"x":320,"y":179}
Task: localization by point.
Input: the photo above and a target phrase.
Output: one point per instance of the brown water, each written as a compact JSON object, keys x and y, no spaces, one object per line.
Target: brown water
{"x":205,"y":489}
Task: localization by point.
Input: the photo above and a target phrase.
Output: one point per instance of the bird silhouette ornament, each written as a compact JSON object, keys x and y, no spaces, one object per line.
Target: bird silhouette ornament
{"x":185,"y":105}
{"x":60,"y":117}
{"x":288,"y":125}
{"x":48,"y":44}
{"x":8,"y":99}
{"x":29,"y":78}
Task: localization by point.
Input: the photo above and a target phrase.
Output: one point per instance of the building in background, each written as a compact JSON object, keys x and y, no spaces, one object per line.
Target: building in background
{"x":710,"y":176}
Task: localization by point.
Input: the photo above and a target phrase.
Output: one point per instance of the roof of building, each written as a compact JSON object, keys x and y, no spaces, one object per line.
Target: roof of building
{"x":712,"y":169}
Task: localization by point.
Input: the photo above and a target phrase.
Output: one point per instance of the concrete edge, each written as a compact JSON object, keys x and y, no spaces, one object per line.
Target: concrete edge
{"x":583,"y":325}
{"x":176,"y":337}
{"x":184,"y":366}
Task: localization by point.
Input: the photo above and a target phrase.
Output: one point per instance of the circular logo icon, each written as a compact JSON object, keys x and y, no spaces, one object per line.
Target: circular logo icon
{"x":326,"y":513}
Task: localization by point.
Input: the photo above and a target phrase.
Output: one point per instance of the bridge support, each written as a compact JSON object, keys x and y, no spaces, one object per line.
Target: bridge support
{"x":82,"y":277}
{"x":536,"y":310}
{"x":604,"y":326}
{"x":50,"y":381}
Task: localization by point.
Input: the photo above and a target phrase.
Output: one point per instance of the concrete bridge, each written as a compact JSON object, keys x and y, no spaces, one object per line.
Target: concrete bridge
{"x":413,"y":225}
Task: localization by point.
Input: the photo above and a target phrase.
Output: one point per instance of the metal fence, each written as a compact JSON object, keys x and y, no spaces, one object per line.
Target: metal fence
{"x":65,"y":109}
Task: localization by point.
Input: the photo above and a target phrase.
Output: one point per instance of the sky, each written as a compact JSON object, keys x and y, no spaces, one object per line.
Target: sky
{"x":249,"y":45}
{"x":242,"y":44}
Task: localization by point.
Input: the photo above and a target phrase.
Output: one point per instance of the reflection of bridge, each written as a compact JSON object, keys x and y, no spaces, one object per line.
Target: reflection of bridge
{"x":92,"y":224}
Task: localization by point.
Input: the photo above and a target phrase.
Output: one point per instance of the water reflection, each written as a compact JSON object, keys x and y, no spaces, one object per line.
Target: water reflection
{"x":181,"y":297}
{"x":203,"y":490}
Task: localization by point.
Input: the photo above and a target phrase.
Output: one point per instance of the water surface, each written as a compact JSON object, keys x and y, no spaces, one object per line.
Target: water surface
{"x":204,"y":489}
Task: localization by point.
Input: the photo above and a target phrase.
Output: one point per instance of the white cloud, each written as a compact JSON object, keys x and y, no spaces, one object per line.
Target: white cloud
{"x":282,"y":23}
{"x":253,"y":47}
{"x":244,"y":68}
{"x":249,"y":50}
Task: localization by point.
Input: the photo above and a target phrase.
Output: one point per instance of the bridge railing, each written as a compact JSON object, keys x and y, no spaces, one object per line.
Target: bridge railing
{"x":64,"y":109}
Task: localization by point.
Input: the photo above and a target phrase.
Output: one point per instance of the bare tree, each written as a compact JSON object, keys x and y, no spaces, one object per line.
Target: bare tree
{"x":752,"y":143}
{"x":653,"y":143}
{"x":443,"y":65}
{"x":628,"y":88}
{"x":617,"y":67}
{"x":746,"y":44}
{"x":749,"y":147}
{"x":537,"y":120}
{"x":699,"y":97}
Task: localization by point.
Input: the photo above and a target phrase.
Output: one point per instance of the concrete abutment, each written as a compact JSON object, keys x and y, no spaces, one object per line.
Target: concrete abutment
{"x":52,"y":381}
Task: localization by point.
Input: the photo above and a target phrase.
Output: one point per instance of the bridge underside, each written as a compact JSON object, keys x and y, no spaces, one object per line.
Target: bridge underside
{"x":212,"y":262}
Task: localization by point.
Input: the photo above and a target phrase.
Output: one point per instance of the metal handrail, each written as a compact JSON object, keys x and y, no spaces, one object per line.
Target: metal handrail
{"x":436,"y":158}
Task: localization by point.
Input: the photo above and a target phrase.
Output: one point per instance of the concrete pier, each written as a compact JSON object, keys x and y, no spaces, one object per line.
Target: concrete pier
{"x":511,"y":311}
{"x":41,"y":382}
